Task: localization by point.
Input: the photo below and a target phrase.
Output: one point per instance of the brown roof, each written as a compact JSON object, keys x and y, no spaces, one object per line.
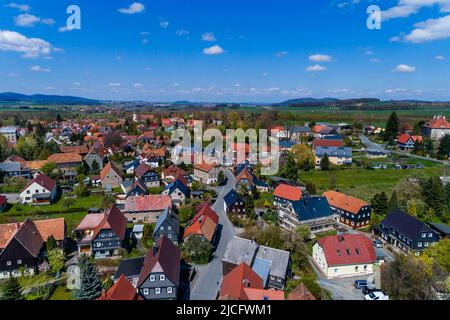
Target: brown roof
{"x":35,"y":165}
{"x":344,"y":202}
{"x":122,"y":290}
{"x":112,"y":219}
{"x":245,"y":174}
{"x":301,"y":292}
{"x":29,"y":237}
{"x":152,"y":202}
{"x":15,"y":158}
{"x":142,"y":169}
{"x":166,"y":260}
{"x":83,"y":149}
{"x":60,"y":158}
{"x":42,"y":180}
{"x":52,"y":227}
{"x":234,"y":282}
{"x":109,"y":166}
{"x":204,"y":223}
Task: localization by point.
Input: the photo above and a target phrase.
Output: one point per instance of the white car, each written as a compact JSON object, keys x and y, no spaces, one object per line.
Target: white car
{"x":376,"y":295}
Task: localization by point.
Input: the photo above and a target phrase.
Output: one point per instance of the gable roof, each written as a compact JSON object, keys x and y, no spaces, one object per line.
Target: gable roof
{"x":288,"y":192}
{"x":301,"y":292}
{"x":347,"y":249}
{"x":177,"y":184}
{"x":205,"y":167}
{"x":152,"y":202}
{"x":42,"y":180}
{"x":130,"y":267}
{"x":142,"y":169}
{"x":245,"y":174}
{"x":438,"y":122}
{"x":51,"y":227}
{"x":240,"y":250}
{"x":344,"y":202}
{"x":231,"y":197}
{"x":166,"y":260}
{"x":28,"y":236}
{"x":169,"y":216}
{"x":405,"y":224}
{"x":109,"y":166}
{"x":121,"y":290}
{"x":60,"y":158}
{"x":204,"y":223}
{"x":234,"y":282}
{"x":83,"y":149}
{"x":112,"y":219}
{"x":327,"y":143}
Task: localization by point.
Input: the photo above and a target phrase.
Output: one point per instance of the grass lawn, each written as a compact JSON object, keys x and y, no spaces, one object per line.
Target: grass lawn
{"x":310,"y":243}
{"x":61,"y":293}
{"x":34,"y":281}
{"x":364,"y":183}
{"x":73,"y":215}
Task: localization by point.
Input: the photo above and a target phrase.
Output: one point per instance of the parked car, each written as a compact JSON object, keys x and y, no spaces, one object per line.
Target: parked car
{"x":367,"y":290}
{"x":377,"y":243}
{"x":359,"y":284}
{"x":377,"y":295}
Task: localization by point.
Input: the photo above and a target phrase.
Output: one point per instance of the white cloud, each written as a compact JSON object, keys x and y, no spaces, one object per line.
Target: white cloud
{"x":38,"y":68}
{"x":30,"y":47}
{"x":439,"y":57}
{"x":406,"y":8}
{"x":138,"y":85}
{"x":64,"y":29}
{"x":320,"y":58}
{"x":316,"y":68}
{"x":114,"y":84}
{"x":164,"y":24}
{"x":182,"y":33}
{"x":20,"y":7}
{"x":404,"y":68}
{"x":430,"y":30}
{"x":209,"y":37}
{"x":48,"y":21}
{"x":214,"y":50}
{"x":395,"y":39}
{"x":281,"y":54}
{"x":135,"y":7}
{"x":26,"y":20}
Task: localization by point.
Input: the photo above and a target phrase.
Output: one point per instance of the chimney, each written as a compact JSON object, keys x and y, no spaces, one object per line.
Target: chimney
{"x":341,"y":238}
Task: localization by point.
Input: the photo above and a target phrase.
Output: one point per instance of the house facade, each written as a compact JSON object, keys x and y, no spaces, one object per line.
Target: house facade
{"x":167,"y":226}
{"x":145,"y":209}
{"x":436,"y":128}
{"x":110,"y":176}
{"x":336,"y":155}
{"x":234,"y":203}
{"x":177,"y":191}
{"x":42,"y":190}
{"x":206,"y":173}
{"x":148,"y":175}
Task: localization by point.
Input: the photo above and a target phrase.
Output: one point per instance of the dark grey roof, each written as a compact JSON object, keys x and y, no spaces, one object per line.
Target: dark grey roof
{"x":279,"y":259}
{"x":130,"y":267}
{"x":231,"y":197}
{"x":240,"y":250}
{"x":405,"y":224}
{"x":169,"y":216}
{"x":440,"y":227}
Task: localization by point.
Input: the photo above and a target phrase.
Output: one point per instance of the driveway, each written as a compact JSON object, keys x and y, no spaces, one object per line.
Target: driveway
{"x":12,"y":197}
{"x":372,"y":146}
{"x":206,"y":284}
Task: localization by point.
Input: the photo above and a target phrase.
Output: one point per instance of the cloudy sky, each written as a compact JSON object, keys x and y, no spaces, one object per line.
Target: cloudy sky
{"x":233,"y":50}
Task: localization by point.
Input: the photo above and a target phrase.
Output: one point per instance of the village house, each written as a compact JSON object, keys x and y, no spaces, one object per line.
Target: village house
{"x":21,"y":245}
{"x":406,"y":232}
{"x":204,"y":224}
{"x":42,"y":190}
{"x":233,"y":202}
{"x":67,"y":163}
{"x":102,"y":234}
{"x":295,"y":206}
{"x":336,"y":155}
{"x":10,"y":133}
{"x":345,"y":255}
{"x":168,"y":226}
{"x":177,"y":191}
{"x":133,"y":188}
{"x":131,"y":269}
{"x":352,"y":211}
{"x":145,"y":209}
{"x":110,"y":176}
{"x":407,"y":142}
{"x":160,"y":275}
{"x":206,"y":173}
{"x":246,"y":180}
{"x":243,"y":283}
{"x":94,"y":155}
{"x":436,"y":128}
{"x":148,"y":175}
{"x":122,"y":290}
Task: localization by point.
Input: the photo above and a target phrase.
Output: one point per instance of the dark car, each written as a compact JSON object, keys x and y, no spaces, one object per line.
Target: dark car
{"x":360,"y":284}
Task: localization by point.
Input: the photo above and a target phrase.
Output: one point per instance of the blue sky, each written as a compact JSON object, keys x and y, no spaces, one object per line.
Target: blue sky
{"x":233,"y":50}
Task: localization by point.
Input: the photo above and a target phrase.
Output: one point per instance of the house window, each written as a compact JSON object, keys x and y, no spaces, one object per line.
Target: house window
{"x":157,"y":290}
{"x":8,"y":263}
{"x":169,"y":290}
{"x":28,"y":191}
{"x":162,"y":277}
{"x":430,"y":234}
{"x":356,"y":268}
{"x":419,"y":244}
{"x":162,"y":228}
{"x":145,"y":291}
{"x":99,"y":244}
{"x":424,"y":235}
{"x":426,"y":244}
{"x":19,"y":261}
{"x":169,"y":236}
{"x":152,"y":278}
{"x":365,"y":268}
{"x":169,"y":228}
{"x":336,"y":270}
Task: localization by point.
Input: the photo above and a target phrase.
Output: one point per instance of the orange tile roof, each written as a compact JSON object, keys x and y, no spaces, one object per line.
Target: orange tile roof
{"x":438,"y":123}
{"x":122,"y":290}
{"x":255,"y":294}
{"x":301,"y":292}
{"x":286,"y":191}
{"x":60,"y":158}
{"x":344,"y":202}
{"x":109,"y":166}
{"x":35,"y":165}
{"x":233,"y":283}
{"x":245,"y":174}
{"x":204,"y":167}
{"x":204,"y":223}
{"x":317,"y":128}
{"x":55,"y":227}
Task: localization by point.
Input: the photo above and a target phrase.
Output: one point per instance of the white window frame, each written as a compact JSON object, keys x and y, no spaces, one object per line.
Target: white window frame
{"x":169,"y":289}
{"x":146,"y":291}
{"x":157,"y":290}
{"x":152,"y":278}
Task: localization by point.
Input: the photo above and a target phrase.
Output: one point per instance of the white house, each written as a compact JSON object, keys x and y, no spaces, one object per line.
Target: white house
{"x":39,"y":191}
{"x":344,"y":255}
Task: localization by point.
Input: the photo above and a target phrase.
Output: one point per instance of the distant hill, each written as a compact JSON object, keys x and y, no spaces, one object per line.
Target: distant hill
{"x":309,"y":100}
{"x":42,"y":98}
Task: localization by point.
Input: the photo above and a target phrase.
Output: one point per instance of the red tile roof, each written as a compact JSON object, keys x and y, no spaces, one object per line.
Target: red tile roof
{"x":242,"y":283}
{"x":42,"y":180}
{"x":109,"y":166}
{"x":245,"y":174}
{"x":112,"y":219}
{"x":344,"y":202}
{"x":439,"y":122}
{"x":204,"y":223}
{"x":52,"y":227}
{"x":204,"y":167}
{"x":285,"y":191}
{"x":122,"y":290}
{"x":327,"y":143}
{"x":348,"y":249}
{"x":403,"y":138}
{"x":2,"y":200}
{"x":301,"y":292}
{"x":83,"y":149}
{"x":147,"y":203}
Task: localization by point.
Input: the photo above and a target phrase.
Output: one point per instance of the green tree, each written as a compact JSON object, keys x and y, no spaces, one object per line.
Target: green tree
{"x":51,"y":243}
{"x":406,"y":278}
{"x":59,"y":118}
{"x":186,"y":213}
{"x":81,"y":191}
{"x":12,"y":290}
{"x":67,"y":202}
{"x":108,"y":201}
{"x":197,"y":249}
{"x":392,"y":127}
{"x":325,"y":162}
{"x":393,"y":202}
{"x":444,"y":147}
{"x":311,"y":188}
{"x":434,"y":194}
{"x":304,"y":232}
{"x":95,"y":167}
{"x":221,"y":179}
{"x":379,"y":203}
{"x":49,"y":169}
{"x":90,"y":281}
{"x":56,"y":259}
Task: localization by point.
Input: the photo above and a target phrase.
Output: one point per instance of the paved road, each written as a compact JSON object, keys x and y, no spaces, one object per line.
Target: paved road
{"x":12,"y":197}
{"x":209,"y":277}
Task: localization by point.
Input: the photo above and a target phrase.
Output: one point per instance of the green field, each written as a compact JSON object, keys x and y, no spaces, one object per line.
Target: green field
{"x":364,"y":183}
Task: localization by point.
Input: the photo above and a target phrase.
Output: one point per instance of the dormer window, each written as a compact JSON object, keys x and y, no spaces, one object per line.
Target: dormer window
{"x":338,"y":252}
{"x":424,"y":234}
